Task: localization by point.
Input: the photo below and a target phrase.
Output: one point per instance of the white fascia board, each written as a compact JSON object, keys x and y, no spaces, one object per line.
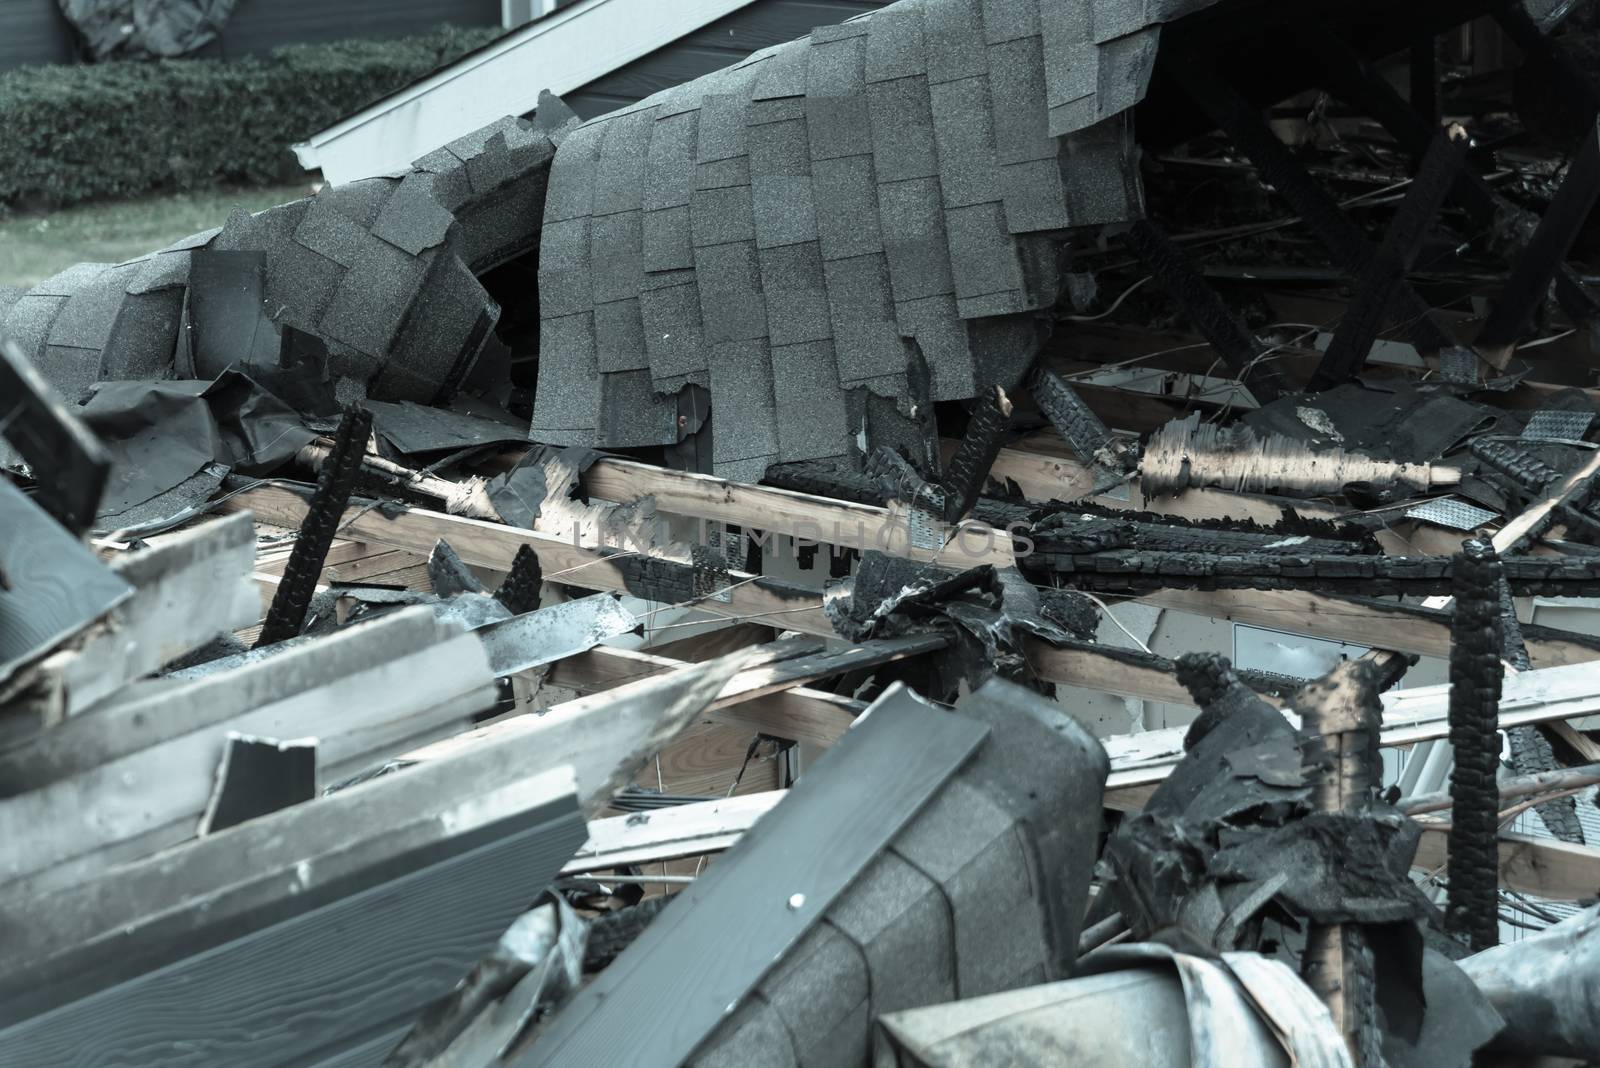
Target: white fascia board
{"x":561,"y":52}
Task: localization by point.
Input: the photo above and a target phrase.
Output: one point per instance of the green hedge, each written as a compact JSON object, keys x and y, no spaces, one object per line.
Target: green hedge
{"x":73,"y":133}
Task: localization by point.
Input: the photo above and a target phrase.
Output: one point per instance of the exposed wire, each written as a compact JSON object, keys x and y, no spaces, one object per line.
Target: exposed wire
{"x":1126,"y":293}
{"x":1105,"y":608}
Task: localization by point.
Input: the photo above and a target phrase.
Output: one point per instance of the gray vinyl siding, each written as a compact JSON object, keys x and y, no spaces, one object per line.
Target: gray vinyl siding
{"x":724,"y":42}
{"x":33,"y":33}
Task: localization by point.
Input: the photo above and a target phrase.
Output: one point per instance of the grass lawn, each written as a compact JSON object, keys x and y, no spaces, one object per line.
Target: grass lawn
{"x":35,"y":245}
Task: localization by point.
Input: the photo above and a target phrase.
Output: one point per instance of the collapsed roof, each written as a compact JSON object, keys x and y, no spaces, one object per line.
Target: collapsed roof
{"x":888,"y":290}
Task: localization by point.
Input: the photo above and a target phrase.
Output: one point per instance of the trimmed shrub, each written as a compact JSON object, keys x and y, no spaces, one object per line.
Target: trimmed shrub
{"x":74,"y":133}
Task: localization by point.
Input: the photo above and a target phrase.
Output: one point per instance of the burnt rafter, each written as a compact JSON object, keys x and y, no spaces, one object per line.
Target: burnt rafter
{"x":1343,"y":238}
{"x":1205,"y":309}
{"x":1546,"y":251}
{"x":975,"y":455}
{"x":1352,"y":78}
{"x":1385,"y":273}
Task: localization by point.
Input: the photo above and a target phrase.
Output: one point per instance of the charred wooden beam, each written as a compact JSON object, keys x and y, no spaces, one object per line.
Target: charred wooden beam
{"x":1385,"y":273}
{"x":1321,"y":213}
{"x":1205,"y":309}
{"x":1343,"y":717}
{"x":1135,"y":572}
{"x":293,"y":599}
{"x":1547,"y":250}
{"x":1189,"y":453}
{"x":1079,"y":427}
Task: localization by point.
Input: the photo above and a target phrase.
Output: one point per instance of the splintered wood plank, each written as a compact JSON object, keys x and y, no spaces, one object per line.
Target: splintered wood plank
{"x":778,"y":604}
{"x":793,"y":711}
{"x":803,"y":515}
{"x":273,"y":561}
{"x":372,"y":568}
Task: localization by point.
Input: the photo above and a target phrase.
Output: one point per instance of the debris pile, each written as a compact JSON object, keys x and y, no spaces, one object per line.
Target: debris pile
{"x":648,"y":590}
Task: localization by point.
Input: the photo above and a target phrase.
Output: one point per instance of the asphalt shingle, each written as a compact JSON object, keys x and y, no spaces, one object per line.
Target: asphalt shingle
{"x":673,"y":334}
{"x":719,"y":216}
{"x":744,"y":426}
{"x":619,"y":173}
{"x":914,"y":238}
{"x":903,"y":143}
{"x":895,"y":46}
{"x":964,"y":126}
{"x":779,"y":148}
{"x":669,"y":169}
{"x":942,"y":336}
{"x":572,"y":175}
{"x":796,"y":294}
{"x":412,"y":219}
{"x":953,"y":30}
{"x":616,"y":250}
{"x":667,"y":242}
{"x":566,"y":286}
{"x":566,"y":404}
{"x":619,"y":337}
{"x":784,"y":213}
{"x":846,"y":201}
{"x":722,"y":128}
{"x":731,"y":304}
{"x":812,"y":414}
{"x":1009,"y":20}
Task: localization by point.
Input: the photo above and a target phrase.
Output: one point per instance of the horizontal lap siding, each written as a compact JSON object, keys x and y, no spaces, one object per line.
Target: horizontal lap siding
{"x":721,"y":44}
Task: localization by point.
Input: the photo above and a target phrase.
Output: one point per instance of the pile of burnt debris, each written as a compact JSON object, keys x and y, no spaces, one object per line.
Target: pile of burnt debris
{"x":509,"y":716}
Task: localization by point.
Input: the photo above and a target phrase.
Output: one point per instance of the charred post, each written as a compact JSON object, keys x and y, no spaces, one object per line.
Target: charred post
{"x":334,"y":485}
{"x":1475,"y":675}
{"x":520,"y":590}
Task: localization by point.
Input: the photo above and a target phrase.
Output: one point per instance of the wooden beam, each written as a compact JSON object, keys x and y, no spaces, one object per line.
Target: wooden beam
{"x":1541,"y":867}
{"x":494,"y":545}
{"x":802,"y":515}
{"x":1300,"y":612}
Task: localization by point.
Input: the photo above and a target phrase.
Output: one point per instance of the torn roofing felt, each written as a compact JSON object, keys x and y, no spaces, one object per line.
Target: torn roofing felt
{"x":184,"y":436}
